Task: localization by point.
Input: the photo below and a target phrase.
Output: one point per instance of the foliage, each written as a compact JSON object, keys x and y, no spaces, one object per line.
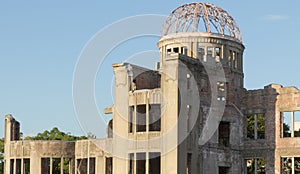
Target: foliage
{"x":55,"y":134}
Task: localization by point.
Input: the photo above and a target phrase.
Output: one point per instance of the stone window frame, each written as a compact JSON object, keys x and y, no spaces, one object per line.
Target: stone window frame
{"x":292,"y":124}
{"x":133,"y":119}
{"x":256,"y":164}
{"x":132,"y":161}
{"x":255,"y":129}
{"x":292,"y":165}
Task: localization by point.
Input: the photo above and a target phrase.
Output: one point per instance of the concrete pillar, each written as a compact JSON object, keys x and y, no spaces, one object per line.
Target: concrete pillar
{"x":100,"y":165}
{"x":15,"y":166}
{"x":147,"y":163}
{"x":293,"y":161}
{"x":7,"y":139}
{"x":35,"y":163}
{"x":62,"y":165}
{"x":22,"y":165}
{"x":51,"y":165}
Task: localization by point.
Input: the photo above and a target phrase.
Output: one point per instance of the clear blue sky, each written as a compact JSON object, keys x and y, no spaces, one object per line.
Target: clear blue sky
{"x":41,"y":42}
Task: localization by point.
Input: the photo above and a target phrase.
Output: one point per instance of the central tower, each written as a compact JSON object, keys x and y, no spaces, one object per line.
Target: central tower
{"x":201,"y":67}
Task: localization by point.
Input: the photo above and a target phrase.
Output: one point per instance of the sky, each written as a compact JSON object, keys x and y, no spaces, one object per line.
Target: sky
{"x":41,"y":42}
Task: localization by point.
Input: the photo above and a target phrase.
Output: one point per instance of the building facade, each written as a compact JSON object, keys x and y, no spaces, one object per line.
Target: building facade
{"x":191,"y":115}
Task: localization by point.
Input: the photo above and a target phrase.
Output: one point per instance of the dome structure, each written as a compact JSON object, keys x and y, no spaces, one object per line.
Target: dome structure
{"x":201,"y":17}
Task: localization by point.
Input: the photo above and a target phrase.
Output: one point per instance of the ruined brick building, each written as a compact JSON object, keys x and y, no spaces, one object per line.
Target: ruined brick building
{"x":191,"y":115}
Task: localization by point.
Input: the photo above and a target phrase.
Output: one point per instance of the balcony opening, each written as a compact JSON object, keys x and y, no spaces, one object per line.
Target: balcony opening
{"x":146,"y":80}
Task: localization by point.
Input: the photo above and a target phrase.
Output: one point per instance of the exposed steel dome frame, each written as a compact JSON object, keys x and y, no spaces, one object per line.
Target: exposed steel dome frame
{"x":201,"y":17}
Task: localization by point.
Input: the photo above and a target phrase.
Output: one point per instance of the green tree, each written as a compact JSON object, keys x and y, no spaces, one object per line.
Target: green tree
{"x":55,"y":134}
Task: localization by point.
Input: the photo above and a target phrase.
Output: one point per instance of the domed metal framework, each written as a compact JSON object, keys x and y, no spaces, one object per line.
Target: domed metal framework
{"x":201,"y":17}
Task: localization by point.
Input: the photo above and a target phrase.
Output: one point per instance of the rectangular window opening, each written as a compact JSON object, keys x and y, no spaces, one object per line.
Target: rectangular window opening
{"x":176,"y":50}
{"x":108,"y":165}
{"x":141,"y":118}
{"x":230,"y":58}
{"x":82,"y":165}
{"x":141,"y":163}
{"x":154,"y":117}
{"x":66,"y":165}
{"x":45,"y":168}
{"x":256,"y":126}
{"x":56,"y":164}
{"x":184,"y":50}
{"x":256,"y":166}
{"x":12,"y":163}
{"x":189,"y":164}
{"x":250,"y":126}
{"x":218,"y":54}
{"x":290,"y":124}
{"x":260,"y":126}
{"x":131,"y":163}
{"x":297,"y":124}
{"x":130,"y":120}
{"x":18,"y":166}
{"x":224,"y":133}
{"x":201,"y":53}
{"x":209,"y":51}
{"x":154,"y":163}
{"x":92,"y":165}
{"x":26,"y":164}
{"x":223,"y":170}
